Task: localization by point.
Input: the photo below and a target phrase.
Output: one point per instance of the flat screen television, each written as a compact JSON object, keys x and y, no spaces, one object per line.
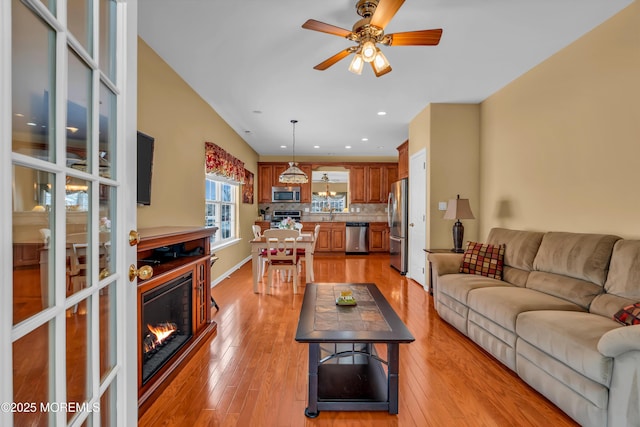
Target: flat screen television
{"x":145,"y":168}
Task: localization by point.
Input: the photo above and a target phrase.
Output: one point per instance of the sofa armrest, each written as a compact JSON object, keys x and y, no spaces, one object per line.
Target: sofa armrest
{"x":620,"y":340}
{"x":442,"y":264}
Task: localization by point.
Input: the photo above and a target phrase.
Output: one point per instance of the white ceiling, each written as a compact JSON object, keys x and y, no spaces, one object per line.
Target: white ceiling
{"x":253,"y":63}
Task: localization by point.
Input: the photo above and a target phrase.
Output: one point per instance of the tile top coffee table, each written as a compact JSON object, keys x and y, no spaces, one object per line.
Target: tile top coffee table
{"x":345,"y":371}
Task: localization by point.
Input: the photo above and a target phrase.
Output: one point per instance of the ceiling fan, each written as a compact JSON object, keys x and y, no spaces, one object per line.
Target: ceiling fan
{"x":368,"y":32}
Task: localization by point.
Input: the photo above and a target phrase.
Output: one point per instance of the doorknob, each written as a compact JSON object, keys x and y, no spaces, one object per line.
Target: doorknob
{"x":145,"y":272}
{"x":134,"y":238}
{"x":411,"y":225}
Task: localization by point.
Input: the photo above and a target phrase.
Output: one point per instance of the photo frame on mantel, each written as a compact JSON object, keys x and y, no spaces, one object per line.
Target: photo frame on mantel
{"x":247,"y":188}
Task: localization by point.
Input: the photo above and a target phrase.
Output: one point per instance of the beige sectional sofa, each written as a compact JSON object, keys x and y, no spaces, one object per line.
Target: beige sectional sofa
{"x":550,"y":319}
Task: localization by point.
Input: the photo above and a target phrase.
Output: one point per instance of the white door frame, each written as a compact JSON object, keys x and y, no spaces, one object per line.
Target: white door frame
{"x":417,"y":217}
{"x":125,"y":372}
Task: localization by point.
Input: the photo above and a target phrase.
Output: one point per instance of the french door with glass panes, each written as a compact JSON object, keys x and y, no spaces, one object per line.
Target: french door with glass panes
{"x":67,"y":128}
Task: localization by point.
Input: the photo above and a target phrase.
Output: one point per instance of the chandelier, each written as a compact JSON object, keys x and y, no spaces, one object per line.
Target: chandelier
{"x":293,"y":174}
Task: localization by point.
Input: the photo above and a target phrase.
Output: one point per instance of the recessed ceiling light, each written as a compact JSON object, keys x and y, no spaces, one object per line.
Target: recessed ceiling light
{"x":283,"y":146}
{"x":316,"y":146}
{"x":382,"y":113}
{"x":347,"y":146}
{"x":365,"y":139}
{"x":30,"y":124}
{"x":19,"y":115}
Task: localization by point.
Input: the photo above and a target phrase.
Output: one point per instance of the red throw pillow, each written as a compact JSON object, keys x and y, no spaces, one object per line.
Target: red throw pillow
{"x":629,"y":315}
{"x":484,"y":260}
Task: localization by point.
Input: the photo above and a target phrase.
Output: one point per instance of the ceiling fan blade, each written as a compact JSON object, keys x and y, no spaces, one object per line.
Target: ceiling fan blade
{"x":335,"y":58}
{"x":314,"y":25}
{"x":385,"y":10}
{"x":416,"y":38}
{"x":382,"y":72}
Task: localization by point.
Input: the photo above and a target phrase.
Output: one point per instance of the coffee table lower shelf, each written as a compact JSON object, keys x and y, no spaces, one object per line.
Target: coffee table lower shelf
{"x":351,"y":377}
{"x":360,"y":387}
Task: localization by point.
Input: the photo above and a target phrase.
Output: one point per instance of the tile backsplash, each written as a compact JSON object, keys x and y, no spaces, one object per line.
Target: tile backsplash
{"x":365,"y":212}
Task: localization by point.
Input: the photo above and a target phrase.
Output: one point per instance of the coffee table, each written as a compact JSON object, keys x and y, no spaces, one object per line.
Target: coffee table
{"x":345,"y":371}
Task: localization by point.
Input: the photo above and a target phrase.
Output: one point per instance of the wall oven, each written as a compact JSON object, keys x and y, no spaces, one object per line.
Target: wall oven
{"x":285,"y":194}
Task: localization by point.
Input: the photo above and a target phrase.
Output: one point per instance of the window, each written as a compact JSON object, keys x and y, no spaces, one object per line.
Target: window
{"x":221,"y":208}
{"x":326,"y":203}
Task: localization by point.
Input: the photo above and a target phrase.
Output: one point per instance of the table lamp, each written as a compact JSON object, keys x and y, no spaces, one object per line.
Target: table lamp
{"x":458,"y":209}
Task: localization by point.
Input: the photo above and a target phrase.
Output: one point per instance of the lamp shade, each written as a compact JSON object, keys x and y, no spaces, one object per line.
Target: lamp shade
{"x":458,"y":209}
{"x":293,"y":175}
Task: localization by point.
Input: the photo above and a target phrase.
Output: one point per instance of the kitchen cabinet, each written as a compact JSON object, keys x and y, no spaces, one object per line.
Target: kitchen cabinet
{"x":26,"y":254}
{"x":331,"y":237}
{"x":269,"y":176}
{"x":265,"y":179}
{"x":403,"y":160}
{"x":305,"y":189}
{"x":378,"y":237}
{"x":371,"y":183}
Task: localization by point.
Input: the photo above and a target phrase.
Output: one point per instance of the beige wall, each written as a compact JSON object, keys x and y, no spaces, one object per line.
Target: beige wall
{"x":561,"y":144}
{"x":450,"y":134}
{"x":180,"y":121}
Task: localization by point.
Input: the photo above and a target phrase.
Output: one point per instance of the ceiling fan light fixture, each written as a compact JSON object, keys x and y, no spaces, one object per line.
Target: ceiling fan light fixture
{"x":357,"y":64}
{"x":368,"y":51}
{"x":380,"y":62}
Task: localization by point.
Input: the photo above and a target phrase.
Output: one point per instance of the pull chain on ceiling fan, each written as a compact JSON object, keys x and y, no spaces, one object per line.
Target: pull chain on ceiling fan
{"x":368,"y":32}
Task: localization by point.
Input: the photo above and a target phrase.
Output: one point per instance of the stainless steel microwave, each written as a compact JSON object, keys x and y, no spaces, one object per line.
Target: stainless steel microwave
{"x":285,"y":194}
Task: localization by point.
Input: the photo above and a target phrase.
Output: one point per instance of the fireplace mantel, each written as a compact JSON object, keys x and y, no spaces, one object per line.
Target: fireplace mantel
{"x":194,"y":259}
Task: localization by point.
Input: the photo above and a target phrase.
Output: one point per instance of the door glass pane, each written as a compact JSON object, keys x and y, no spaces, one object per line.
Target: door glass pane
{"x":108,"y":406}
{"x":107,"y":329}
{"x":107,"y":132}
{"x":78,"y":378}
{"x":79,"y":14}
{"x":32,"y":224}
{"x":33,"y":76}
{"x":108,"y":38}
{"x":31,"y":374}
{"x":78,"y":248}
{"x":107,"y":230}
{"x":78,"y":114}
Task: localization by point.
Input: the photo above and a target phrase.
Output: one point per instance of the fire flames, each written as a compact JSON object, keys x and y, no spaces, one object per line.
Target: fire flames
{"x":158,"y":334}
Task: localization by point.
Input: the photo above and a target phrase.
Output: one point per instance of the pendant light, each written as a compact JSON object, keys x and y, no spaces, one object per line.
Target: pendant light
{"x":293,"y":175}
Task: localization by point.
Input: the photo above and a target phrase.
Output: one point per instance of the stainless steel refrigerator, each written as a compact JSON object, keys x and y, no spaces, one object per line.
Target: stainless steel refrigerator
{"x":398,"y":217}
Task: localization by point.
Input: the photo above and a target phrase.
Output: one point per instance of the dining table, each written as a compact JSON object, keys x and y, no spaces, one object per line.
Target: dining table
{"x":305,"y":241}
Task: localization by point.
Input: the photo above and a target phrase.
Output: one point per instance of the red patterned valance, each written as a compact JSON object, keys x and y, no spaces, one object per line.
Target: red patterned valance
{"x":221,"y":163}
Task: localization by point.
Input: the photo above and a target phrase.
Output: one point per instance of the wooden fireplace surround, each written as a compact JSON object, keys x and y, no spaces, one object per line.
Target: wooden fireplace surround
{"x":200,"y":267}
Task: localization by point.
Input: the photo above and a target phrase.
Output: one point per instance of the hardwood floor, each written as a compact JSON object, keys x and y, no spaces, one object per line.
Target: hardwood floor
{"x":253,"y":373}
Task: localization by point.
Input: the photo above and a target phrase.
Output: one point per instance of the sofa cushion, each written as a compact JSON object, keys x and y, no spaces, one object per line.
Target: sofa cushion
{"x":483,"y":259}
{"x":578,"y":291}
{"x":520,"y":251}
{"x":503,"y":304}
{"x":571,"y":338}
{"x":577,"y":255}
{"x":622,"y":287}
{"x":457,"y":286}
{"x":624,"y":271}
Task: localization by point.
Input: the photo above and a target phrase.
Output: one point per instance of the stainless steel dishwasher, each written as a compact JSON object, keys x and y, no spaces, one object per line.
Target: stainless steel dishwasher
{"x":357,"y":239}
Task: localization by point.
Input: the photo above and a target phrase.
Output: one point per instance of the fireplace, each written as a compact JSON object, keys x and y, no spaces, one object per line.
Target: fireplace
{"x":166,"y":323}
{"x":174,"y":304}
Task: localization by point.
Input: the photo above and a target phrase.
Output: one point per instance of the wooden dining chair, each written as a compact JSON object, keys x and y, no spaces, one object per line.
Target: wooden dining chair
{"x":282,"y":255}
{"x":302,"y":252}
{"x":257,"y":233}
